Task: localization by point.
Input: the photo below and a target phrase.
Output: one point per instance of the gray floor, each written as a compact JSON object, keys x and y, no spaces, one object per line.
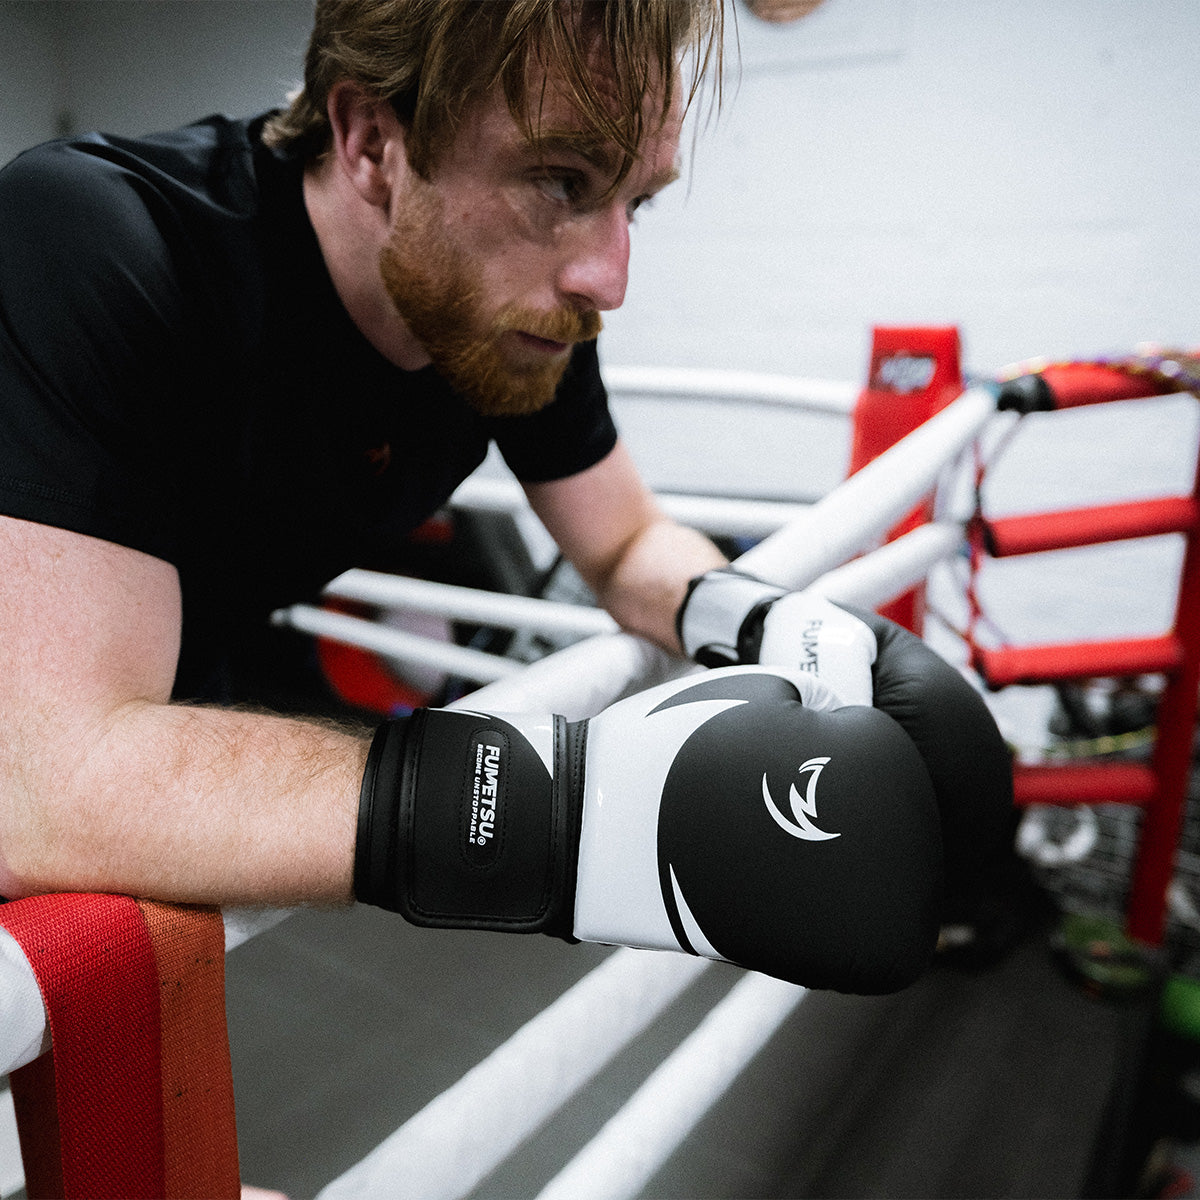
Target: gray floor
{"x":997,"y":1083}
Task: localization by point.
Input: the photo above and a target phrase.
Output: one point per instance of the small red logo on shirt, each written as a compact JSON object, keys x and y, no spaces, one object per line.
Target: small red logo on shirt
{"x":379,"y":458}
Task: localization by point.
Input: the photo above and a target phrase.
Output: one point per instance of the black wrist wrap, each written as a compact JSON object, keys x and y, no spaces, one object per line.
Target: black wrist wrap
{"x":461,"y":826}
{"x":750,"y":635}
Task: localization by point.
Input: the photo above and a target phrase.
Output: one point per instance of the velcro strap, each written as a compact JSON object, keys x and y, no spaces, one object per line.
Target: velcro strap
{"x":459,"y":825}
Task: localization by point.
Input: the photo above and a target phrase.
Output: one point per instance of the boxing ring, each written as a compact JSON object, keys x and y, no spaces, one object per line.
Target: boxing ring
{"x":836,"y":547}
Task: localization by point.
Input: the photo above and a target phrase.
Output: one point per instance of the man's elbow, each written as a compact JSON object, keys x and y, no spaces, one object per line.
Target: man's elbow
{"x":44,"y":814}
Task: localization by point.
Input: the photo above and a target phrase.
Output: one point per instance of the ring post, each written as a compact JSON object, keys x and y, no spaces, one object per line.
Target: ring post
{"x":915,"y":372}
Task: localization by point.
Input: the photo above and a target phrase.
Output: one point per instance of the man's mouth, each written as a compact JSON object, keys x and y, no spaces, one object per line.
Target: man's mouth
{"x":541,"y":344}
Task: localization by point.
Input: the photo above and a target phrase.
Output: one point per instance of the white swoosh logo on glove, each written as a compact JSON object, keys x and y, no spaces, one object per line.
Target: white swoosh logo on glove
{"x":804,"y":808}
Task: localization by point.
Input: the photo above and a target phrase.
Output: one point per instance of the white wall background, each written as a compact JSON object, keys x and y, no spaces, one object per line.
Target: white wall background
{"x":1026,"y":169}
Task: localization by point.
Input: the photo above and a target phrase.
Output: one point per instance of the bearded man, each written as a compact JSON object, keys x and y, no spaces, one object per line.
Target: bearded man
{"x":241,"y":357}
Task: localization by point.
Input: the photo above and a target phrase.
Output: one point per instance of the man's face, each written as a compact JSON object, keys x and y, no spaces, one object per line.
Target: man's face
{"x":508,"y":254}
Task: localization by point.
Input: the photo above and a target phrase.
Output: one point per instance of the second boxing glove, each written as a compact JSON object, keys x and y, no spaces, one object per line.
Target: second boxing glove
{"x":861,"y":654}
{"x":741,"y":814}
{"x":966,"y":757}
{"x":729,"y":617}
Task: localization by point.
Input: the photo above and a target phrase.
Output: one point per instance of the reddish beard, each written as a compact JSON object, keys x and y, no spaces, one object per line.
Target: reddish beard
{"x":437,"y":293}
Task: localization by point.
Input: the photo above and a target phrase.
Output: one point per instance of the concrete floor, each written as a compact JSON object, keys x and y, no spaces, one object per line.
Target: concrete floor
{"x":1006,"y":1082}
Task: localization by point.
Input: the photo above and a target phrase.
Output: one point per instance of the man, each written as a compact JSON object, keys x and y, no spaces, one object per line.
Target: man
{"x":182,"y":453}
{"x":239,"y":358}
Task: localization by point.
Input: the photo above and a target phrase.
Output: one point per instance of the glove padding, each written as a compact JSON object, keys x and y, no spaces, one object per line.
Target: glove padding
{"x":964,"y":753}
{"x":742,"y":814}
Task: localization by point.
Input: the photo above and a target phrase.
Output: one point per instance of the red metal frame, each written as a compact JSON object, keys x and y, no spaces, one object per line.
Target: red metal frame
{"x":1160,"y":788}
{"x":1162,"y":819}
{"x":1004,"y":666}
{"x":1006,"y":536}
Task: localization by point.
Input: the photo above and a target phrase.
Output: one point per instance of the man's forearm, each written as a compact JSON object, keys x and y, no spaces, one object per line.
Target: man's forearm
{"x":201,"y":805}
{"x":647,"y":585}
{"x":635,"y":558}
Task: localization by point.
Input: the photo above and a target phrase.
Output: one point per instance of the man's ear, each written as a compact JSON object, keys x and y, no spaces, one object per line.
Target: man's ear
{"x":368,"y":140}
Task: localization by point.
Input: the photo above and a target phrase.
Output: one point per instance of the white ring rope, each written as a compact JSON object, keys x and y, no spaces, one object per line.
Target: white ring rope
{"x":863,"y":507}
{"x":396,"y":643}
{"x":461,"y":1136}
{"x":883,"y":574}
{"x":867,"y":581}
{"x":497,"y":609}
{"x":742,"y":387}
{"x":717,"y":515}
{"x":623,"y":1157}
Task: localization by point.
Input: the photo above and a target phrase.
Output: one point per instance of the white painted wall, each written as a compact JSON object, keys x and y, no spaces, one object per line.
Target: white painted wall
{"x":1026,"y":169}
{"x":131,"y":66}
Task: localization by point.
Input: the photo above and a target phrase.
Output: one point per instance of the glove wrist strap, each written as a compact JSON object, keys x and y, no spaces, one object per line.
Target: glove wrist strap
{"x":570,"y":751}
{"x":461,"y":825}
{"x":720,"y":620}
{"x":376,"y":847}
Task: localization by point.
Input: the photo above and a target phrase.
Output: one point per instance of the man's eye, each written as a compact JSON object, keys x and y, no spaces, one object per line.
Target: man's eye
{"x":562,"y":189}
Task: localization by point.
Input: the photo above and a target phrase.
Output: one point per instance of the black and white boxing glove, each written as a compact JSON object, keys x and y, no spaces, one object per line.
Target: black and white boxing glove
{"x":867,"y":659}
{"x":742,"y":814}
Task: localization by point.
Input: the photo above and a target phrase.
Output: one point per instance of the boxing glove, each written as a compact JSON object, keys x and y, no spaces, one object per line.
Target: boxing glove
{"x":741,"y":814}
{"x":945,"y":717}
{"x":728,"y":617}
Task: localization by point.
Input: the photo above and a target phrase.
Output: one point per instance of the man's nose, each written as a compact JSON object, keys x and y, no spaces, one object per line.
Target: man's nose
{"x":595,"y":272}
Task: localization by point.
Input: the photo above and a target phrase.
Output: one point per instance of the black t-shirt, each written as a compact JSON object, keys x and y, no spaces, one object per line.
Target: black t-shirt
{"x":178,"y":375}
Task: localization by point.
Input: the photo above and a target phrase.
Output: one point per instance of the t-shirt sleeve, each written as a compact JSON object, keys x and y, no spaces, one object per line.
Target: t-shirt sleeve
{"x":90,"y":318}
{"x":573,"y":433}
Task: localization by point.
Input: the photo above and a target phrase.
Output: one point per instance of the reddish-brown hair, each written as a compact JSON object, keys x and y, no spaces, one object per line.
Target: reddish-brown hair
{"x":431,"y":59}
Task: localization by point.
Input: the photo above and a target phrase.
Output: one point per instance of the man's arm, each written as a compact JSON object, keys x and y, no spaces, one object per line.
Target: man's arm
{"x":636,"y":559}
{"x":107,"y":786}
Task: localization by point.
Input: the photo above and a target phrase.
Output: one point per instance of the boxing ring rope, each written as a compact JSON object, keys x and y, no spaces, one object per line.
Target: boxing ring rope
{"x":818,"y":539}
{"x":866,"y":581}
{"x":743,"y":387}
{"x":738,"y":517}
{"x":633,"y":986}
{"x":718,"y":514}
